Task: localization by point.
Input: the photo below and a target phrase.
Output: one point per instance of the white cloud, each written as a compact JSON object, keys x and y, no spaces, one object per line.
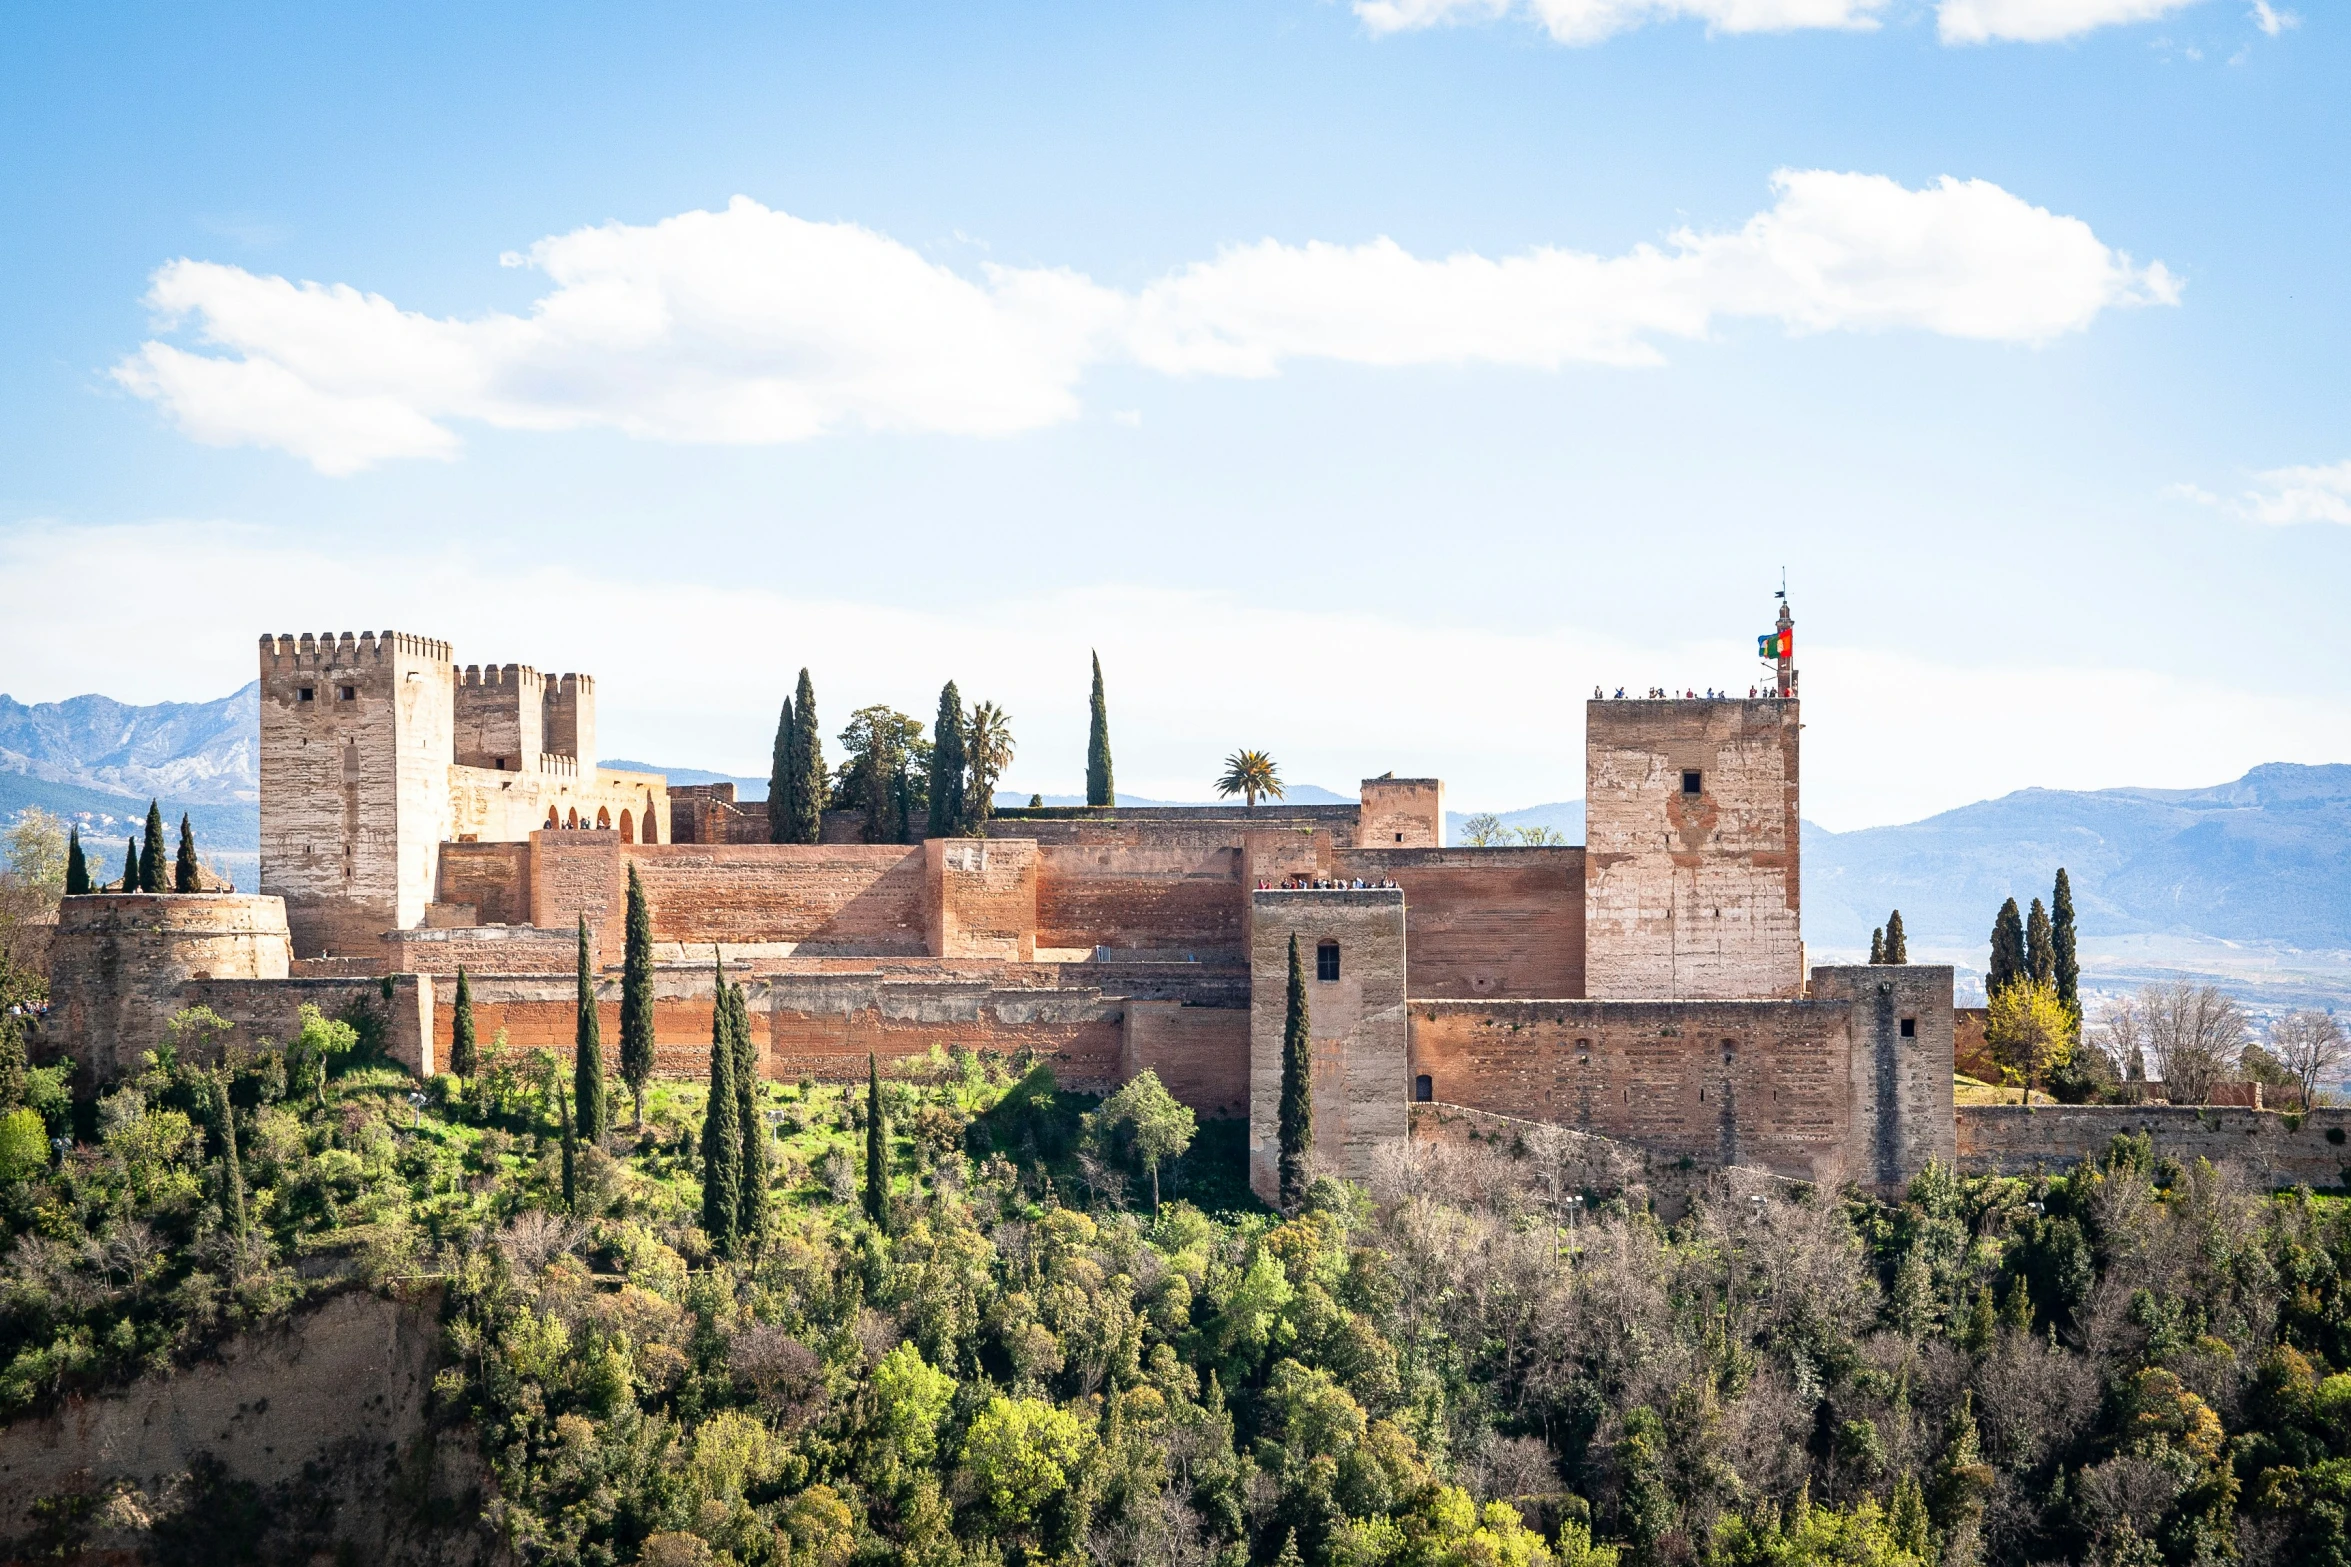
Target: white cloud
{"x":2041,"y":21}
{"x":751,"y":325}
{"x":1589,"y":21}
{"x":2272,"y":21}
{"x":2304,"y":494}
{"x":687,"y":675}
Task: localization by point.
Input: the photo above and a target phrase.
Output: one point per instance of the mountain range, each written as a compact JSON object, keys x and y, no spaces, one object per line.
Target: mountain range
{"x":2250,"y":877}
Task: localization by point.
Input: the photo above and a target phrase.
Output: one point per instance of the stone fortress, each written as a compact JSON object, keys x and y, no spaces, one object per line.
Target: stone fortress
{"x":1649,"y":986}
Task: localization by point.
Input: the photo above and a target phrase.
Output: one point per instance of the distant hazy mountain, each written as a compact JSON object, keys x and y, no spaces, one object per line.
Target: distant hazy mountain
{"x":205,"y":752}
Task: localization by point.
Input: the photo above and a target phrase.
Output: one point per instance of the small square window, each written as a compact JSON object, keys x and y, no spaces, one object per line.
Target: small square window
{"x":1910,"y":1028}
{"x":1326,"y":961}
{"x":350,"y":693}
{"x":1423,"y":1091}
{"x":1693,"y":783}
{"x":309,"y":694}
{"x":1399,"y":837}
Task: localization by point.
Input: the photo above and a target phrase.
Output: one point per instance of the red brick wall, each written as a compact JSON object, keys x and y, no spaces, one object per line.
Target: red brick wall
{"x":1200,"y":1053}
{"x":981,"y":898}
{"x":1163,"y":899}
{"x":577,"y":875}
{"x":1485,"y":922}
{"x":842,"y":898}
{"x":1654,"y":1074}
{"x":494,"y":877}
{"x":1083,"y":1052}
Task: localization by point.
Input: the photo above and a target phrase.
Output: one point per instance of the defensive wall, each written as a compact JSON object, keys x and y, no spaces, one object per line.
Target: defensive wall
{"x":2275,"y":1149}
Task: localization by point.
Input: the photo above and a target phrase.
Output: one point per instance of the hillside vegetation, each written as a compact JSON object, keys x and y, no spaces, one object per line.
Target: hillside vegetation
{"x":1459,"y":1364}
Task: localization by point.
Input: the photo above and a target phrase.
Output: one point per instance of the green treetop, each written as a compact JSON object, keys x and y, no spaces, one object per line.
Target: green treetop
{"x":877,"y":1146}
{"x":2008,"y":956}
{"x":1297,"y":1101}
{"x":947,"y":803}
{"x":77,"y":869}
{"x":464,"y":1053}
{"x":151,"y":852}
{"x":808,"y":788}
{"x":130,"y":866}
{"x":782,"y":778}
{"x":2066,"y":969}
{"x":751,"y":1188}
{"x":1160,"y":1126}
{"x":184,"y":875}
{"x":722,"y":1138}
{"x":2040,"y":957}
{"x":1897,"y":944}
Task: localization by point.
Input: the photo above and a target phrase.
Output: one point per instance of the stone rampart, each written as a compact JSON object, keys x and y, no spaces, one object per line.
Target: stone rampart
{"x":1356,"y":1023}
{"x":269,"y":1010}
{"x":2274,"y":1148}
{"x":1485,"y":922}
{"x":1160,"y":898}
{"x":118,"y":962}
{"x":1200,"y":1053}
{"x":980,"y":898}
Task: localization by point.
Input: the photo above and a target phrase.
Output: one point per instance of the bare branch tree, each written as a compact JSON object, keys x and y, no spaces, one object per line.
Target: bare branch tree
{"x":2194,"y":1035}
{"x":2310,"y":1045}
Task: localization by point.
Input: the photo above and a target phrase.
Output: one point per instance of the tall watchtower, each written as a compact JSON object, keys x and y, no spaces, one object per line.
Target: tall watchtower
{"x":356,"y":742}
{"x":1691,"y":868}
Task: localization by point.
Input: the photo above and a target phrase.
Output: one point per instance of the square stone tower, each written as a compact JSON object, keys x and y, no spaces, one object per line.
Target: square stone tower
{"x":356,"y":741}
{"x":1690,"y":870}
{"x":1351,"y":948}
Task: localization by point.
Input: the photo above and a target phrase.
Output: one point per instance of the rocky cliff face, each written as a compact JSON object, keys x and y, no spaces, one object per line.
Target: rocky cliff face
{"x":302,"y":1442}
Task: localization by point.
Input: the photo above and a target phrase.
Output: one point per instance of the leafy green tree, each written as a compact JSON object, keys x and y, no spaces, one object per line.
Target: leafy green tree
{"x":151,"y":851}
{"x":1158,"y":1125}
{"x":987,"y":751}
{"x":947,"y":808}
{"x":1021,"y":1453}
{"x":319,"y":1041}
{"x":1252,"y":775}
{"x":636,"y":996}
{"x":1897,"y":944}
{"x":185,"y":877}
{"x":784,"y":778}
{"x":2066,"y":964}
{"x":1100,"y":790}
{"x":808,"y":791}
{"x":77,"y":869}
{"x":2040,"y":955}
{"x":587,"y":1058}
{"x":571,"y":1154}
{"x":464,"y":1051}
{"x":751,"y":1192}
{"x":1297,"y":1099}
{"x":2008,"y":963}
{"x":2030,"y":1031}
{"x":130,"y":866}
{"x":911,"y":1400}
{"x":883,"y":745}
{"x":24,"y":1145}
{"x":232,"y":1164}
{"x":877,"y":1145}
{"x":722,"y":1132}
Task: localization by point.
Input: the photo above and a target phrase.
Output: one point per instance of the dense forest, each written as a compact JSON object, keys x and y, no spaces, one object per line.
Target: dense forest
{"x":1010,"y":1356}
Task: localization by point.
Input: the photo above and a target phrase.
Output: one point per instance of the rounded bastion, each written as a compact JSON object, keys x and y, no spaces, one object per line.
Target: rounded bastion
{"x":118,"y":960}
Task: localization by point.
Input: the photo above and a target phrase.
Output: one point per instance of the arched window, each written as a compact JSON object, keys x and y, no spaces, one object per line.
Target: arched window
{"x":1423,"y":1091}
{"x":552,"y":823}
{"x":604,"y":821}
{"x":1326,"y":961}
{"x":652,"y":822}
{"x":571,"y":820}
{"x":628,"y":829}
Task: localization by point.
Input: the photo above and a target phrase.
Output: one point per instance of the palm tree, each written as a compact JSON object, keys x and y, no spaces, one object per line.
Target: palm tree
{"x":1250,"y":773}
{"x":987,"y":751}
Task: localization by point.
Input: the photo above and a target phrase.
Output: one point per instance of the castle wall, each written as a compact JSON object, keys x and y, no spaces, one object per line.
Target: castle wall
{"x":567,"y":717}
{"x":498,"y":717}
{"x":846,"y":899}
{"x":1356,"y":1022}
{"x":980,"y":898}
{"x":354,"y":782}
{"x":270,"y":1009}
{"x":1901,"y":1082}
{"x":491,"y":806}
{"x":1485,"y":922}
{"x":1184,"y":898}
{"x":1200,"y":1053}
{"x":1171,"y":826}
{"x":1692,"y":894}
{"x":492,"y":879}
{"x":2312,"y":1149}
{"x":118,"y":962}
{"x":1401,"y":813}
{"x":1721,"y":1082}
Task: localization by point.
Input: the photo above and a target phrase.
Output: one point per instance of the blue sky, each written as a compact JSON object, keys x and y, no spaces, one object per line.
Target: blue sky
{"x":1038,"y":329}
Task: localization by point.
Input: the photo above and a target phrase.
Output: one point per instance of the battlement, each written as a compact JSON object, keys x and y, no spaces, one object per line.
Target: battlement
{"x":512,"y":677}
{"x":556,"y":765}
{"x":331,"y":650}
{"x":567,"y":718}
{"x":500,"y":714}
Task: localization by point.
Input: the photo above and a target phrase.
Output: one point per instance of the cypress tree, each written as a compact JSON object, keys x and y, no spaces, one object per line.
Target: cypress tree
{"x":808,"y":756}
{"x":77,"y":869}
{"x":877,"y":1146}
{"x":722,"y":1146}
{"x":1897,"y":944}
{"x":2008,"y":959}
{"x":130,"y":866}
{"x":151,"y":852}
{"x":2040,"y":958}
{"x":751,"y":1194}
{"x":12,"y":1061}
{"x":1877,"y":946}
{"x":1297,"y":1104}
{"x":183,"y":872}
{"x":636,"y":997}
{"x":781,"y":778}
{"x":464,"y":1053}
{"x":570,"y":1155}
{"x":1099,"y":789}
{"x":587,"y":1057}
{"x":947,"y":765}
{"x":2061,"y":943}
{"x":232,"y":1166}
